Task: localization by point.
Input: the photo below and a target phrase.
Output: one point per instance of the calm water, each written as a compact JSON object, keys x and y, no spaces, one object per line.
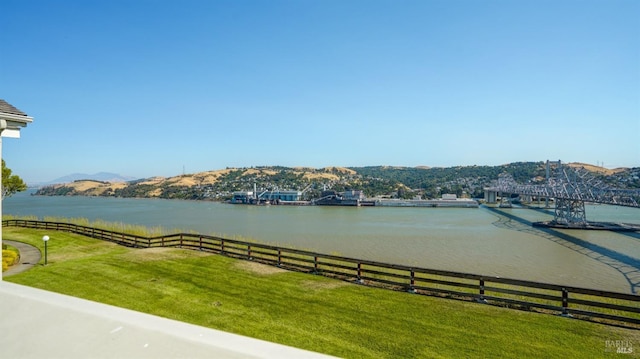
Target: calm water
{"x":486,"y":241}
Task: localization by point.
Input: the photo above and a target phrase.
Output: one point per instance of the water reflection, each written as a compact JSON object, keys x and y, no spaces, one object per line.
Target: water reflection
{"x":628,"y":266}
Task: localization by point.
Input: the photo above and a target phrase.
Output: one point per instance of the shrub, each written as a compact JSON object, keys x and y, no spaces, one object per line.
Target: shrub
{"x":9,"y":258}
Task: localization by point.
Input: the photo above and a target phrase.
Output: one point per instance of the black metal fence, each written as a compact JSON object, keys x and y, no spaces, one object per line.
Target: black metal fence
{"x":582,"y":303}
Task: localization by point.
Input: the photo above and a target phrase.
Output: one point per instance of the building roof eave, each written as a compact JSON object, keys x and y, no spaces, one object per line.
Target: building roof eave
{"x":15,"y":121}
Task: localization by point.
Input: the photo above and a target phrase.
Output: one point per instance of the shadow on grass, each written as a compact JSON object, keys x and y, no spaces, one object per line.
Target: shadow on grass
{"x":628,"y":266}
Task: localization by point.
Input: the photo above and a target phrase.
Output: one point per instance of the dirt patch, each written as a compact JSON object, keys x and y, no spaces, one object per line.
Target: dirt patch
{"x":258,"y":268}
{"x":87,"y":250}
{"x":319,"y":285}
{"x":161,"y":254}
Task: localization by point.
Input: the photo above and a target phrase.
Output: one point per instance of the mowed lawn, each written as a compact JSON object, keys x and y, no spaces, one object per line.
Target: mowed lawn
{"x":303,"y":310}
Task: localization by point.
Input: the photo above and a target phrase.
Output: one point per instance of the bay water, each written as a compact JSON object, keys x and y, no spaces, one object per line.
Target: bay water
{"x":487,"y":241}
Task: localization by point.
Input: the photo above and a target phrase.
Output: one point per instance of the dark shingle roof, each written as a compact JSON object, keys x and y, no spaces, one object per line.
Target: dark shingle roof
{"x":8,"y":108}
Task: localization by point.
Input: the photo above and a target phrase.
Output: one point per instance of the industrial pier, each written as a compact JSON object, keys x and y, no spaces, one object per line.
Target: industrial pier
{"x":351,"y":198}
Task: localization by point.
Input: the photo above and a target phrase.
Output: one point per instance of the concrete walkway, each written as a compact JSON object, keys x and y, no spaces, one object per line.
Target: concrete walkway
{"x":41,"y":324}
{"x":29,"y":257}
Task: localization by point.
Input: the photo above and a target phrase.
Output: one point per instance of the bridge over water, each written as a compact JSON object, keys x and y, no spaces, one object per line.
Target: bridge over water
{"x":569,"y":188}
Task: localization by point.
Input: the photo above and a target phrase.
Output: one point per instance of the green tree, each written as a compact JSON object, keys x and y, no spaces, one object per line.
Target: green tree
{"x":11,"y":183}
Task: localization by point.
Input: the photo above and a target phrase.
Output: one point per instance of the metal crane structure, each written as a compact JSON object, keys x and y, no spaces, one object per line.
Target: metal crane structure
{"x":570,"y":188}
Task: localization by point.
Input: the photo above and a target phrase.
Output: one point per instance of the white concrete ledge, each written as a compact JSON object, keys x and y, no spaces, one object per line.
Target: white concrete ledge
{"x":38,"y":324}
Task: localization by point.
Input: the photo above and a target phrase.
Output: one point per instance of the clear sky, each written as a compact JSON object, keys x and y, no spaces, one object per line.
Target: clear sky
{"x":149,"y":87}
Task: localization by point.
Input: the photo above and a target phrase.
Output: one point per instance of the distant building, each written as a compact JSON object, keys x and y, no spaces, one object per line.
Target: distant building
{"x":242,"y":197}
{"x":281,"y":195}
{"x":353,"y":194}
{"x":447,"y":200}
{"x":250,"y":197}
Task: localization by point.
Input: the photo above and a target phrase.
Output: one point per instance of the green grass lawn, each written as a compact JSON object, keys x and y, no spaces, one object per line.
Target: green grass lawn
{"x":303,"y":310}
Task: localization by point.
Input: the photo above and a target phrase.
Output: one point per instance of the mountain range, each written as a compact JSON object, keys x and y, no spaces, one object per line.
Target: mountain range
{"x":100,"y":176}
{"x":394,"y":181}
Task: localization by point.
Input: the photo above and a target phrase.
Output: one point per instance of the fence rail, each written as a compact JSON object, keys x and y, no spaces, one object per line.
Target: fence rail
{"x":566,"y":300}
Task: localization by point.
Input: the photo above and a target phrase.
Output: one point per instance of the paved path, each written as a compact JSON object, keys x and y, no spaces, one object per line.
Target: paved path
{"x":29,"y":257}
{"x":68,"y":327}
{"x":40,"y":324}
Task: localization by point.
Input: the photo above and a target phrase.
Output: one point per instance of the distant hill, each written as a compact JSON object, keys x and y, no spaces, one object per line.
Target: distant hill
{"x":387,"y":181}
{"x":598,"y":169}
{"x":100,"y":176}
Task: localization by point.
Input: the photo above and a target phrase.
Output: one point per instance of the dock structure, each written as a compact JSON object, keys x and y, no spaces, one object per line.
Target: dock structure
{"x":591,"y":225}
{"x":354,"y":198}
{"x":350,"y":198}
{"x":267,"y":197}
{"x":457,"y":203}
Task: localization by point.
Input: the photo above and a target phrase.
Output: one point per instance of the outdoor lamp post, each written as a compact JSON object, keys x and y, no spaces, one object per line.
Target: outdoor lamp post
{"x":11,"y":121}
{"x":45,"y":239}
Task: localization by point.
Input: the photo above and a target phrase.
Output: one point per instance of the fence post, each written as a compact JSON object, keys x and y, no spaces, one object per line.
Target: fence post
{"x":249,"y":252}
{"x":180,"y":240}
{"x":565,"y":303}
{"x":200,"y":243}
{"x":279,"y":257}
{"x":359,"y":279}
{"x":481,"y":296}
{"x":222,"y":246}
{"x":412,"y":281}
{"x":315,"y":264}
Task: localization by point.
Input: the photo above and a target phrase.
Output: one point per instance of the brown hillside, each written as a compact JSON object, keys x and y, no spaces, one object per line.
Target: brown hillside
{"x":211,"y":177}
{"x":95,"y":188}
{"x":597,"y":169}
{"x":340,"y":170}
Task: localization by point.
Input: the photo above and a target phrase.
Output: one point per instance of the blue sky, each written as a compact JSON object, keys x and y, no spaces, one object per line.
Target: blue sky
{"x":145,"y":88}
